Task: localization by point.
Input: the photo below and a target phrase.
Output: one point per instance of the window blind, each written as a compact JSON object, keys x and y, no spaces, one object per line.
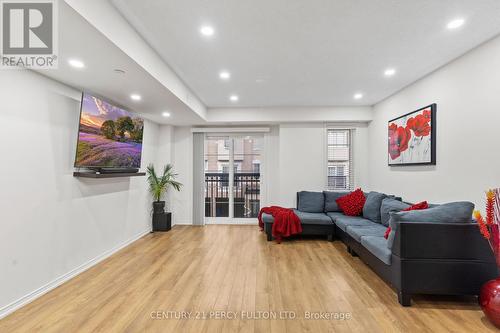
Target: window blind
{"x":340,"y":164}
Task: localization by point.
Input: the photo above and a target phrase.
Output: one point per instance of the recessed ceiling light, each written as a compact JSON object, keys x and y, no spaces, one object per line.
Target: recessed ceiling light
{"x":166,"y":114}
{"x":225,"y":75}
{"x":234,"y":98}
{"x":358,"y":96}
{"x":456,"y":23}
{"x":76,"y":63}
{"x":389,"y":72}
{"x":207,"y":31}
{"x":135,"y":97}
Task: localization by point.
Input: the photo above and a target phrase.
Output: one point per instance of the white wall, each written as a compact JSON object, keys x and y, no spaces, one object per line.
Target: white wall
{"x":467,"y":93}
{"x":302,"y":159}
{"x":52,"y":223}
{"x":360,"y":152}
{"x":182,"y":202}
{"x":270,"y":187}
{"x":166,"y":139}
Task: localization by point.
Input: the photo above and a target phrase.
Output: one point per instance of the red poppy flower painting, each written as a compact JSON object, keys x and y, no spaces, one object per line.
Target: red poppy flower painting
{"x":420,"y":125}
{"x":411,"y":138}
{"x":398,"y":140}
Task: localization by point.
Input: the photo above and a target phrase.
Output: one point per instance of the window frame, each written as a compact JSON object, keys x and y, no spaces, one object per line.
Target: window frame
{"x":351,"y":163}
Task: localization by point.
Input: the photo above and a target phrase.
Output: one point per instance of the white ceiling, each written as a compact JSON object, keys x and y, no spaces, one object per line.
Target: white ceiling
{"x":79,"y":39}
{"x":308,"y":53}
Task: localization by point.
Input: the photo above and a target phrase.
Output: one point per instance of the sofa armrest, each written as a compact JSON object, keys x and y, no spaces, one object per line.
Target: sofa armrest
{"x":452,"y":241}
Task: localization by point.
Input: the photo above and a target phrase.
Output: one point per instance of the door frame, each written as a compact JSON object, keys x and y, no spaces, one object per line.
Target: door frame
{"x":231,"y":219}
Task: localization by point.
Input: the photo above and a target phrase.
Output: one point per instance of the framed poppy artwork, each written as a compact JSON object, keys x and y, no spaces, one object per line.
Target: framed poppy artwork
{"x":412,"y":138}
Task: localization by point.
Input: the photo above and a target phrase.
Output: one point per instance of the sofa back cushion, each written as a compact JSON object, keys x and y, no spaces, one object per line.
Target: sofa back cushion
{"x":390,"y":205}
{"x":453,"y":212}
{"x":371,"y":209}
{"x":417,"y":206}
{"x":310,"y":202}
{"x":330,"y":201}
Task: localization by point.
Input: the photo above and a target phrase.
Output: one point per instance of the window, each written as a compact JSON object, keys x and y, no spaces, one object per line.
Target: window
{"x":340,"y":165}
{"x":256,"y":167}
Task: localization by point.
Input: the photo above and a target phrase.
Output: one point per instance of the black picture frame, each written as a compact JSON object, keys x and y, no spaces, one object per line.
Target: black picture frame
{"x":433,"y":132}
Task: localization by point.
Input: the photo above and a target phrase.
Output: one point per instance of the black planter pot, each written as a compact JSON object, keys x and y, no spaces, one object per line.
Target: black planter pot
{"x":162,"y":221}
{"x":158,"y":207}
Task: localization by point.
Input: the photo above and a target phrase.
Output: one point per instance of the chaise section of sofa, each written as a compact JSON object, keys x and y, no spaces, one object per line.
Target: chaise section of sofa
{"x":310,"y":210}
{"x":440,"y":258}
{"x":318,"y":224}
{"x":445,"y":254}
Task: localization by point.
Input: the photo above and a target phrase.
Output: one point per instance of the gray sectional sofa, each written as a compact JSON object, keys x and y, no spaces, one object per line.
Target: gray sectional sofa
{"x":434,"y":251}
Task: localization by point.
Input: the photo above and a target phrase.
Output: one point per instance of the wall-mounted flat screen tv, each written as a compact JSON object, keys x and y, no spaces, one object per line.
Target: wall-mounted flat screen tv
{"x":109,"y":137}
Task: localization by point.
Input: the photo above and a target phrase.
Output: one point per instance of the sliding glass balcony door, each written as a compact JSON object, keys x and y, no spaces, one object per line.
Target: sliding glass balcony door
{"x":232,"y":178}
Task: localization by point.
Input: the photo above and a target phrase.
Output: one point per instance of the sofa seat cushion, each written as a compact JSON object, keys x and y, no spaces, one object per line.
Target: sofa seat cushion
{"x":311,"y":202}
{"x":344,"y":221}
{"x":305,"y":218}
{"x":335,"y":215}
{"x":357,"y":232}
{"x":378,"y":247}
{"x":314,"y":218}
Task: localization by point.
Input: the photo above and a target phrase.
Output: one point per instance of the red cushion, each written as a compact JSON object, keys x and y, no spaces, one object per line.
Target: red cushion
{"x":352,"y":203}
{"x":417,"y":206}
{"x":387,"y":232}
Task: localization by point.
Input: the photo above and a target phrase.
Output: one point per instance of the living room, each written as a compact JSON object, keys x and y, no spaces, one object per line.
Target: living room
{"x":146,"y":142}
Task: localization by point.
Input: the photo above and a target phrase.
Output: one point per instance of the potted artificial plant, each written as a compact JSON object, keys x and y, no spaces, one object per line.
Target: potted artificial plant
{"x":158,"y":186}
{"x":489,"y":226}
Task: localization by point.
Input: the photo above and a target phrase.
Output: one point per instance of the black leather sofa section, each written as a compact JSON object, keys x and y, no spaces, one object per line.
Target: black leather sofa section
{"x":307,"y":229}
{"x":432,"y":258}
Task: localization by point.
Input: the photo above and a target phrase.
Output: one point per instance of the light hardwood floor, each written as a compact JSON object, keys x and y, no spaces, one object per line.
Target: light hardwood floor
{"x":231,"y":269}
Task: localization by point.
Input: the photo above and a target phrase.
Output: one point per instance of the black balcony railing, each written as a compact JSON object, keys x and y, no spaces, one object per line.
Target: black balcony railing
{"x":246,"y":195}
{"x":338,"y":182}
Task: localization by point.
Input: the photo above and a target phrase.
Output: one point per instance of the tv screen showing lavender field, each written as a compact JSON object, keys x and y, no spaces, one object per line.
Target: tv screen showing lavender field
{"x":108,"y":136}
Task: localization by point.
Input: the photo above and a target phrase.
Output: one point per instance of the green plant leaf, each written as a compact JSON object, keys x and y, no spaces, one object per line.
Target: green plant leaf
{"x":158,"y":186}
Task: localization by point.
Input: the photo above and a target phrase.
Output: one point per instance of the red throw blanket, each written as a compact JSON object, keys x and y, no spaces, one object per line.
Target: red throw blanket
{"x":286,"y":222}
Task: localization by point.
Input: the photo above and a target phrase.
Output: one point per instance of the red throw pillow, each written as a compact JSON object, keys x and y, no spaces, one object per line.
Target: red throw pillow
{"x":417,"y":206}
{"x":352,"y":203}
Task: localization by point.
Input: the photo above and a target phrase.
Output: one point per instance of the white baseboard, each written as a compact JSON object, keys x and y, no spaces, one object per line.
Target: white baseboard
{"x":231,"y":221}
{"x":182,"y":222}
{"x":8,"y":309}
